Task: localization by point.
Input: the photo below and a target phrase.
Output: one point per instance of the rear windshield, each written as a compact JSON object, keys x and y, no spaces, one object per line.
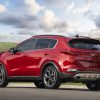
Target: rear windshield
{"x":88,"y":44}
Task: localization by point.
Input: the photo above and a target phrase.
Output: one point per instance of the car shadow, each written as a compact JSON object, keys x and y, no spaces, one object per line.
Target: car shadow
{"x":60,"y":89}
{"x":78,"y":89}
{"x":74,"y":89}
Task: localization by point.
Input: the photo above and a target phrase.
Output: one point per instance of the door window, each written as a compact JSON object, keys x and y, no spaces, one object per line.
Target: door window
{"x":26,"y":45}
{"x":45,"y":43}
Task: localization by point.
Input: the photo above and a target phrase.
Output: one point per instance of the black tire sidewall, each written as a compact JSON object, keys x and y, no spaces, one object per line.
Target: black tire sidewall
{"x":5,"y":80}
{"x":96,"y":87}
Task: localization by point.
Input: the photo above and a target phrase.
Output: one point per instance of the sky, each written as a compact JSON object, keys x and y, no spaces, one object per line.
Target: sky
{"x":21,"y":19}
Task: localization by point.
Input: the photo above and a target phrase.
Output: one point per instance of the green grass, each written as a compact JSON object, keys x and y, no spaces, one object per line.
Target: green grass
{"x":6,"y":46}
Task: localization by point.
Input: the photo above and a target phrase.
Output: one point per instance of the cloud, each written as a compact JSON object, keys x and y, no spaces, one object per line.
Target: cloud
{"x":2,"y":8}
{"x":96,"y":19}
{"x":33,"y":7}
{"x":48,"y":19}
{"x":25,"y":32}
{"x":94,"y":33}
{"x":21,"y":22}
{"x":71,"y":6}
{"x":26,"y":7}
{"x":47,"y":22}
{"x":29,"y":17}
{"x":84,"y":8}
{"x":57,"y":3}
{"x":50,"y":22}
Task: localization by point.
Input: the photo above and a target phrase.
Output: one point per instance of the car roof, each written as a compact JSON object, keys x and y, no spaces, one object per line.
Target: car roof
{"x":62,"y":36}
{"x":58,"y":37}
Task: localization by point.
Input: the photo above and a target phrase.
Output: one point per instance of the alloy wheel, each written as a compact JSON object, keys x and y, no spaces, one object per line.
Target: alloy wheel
{"x":50,"y":76}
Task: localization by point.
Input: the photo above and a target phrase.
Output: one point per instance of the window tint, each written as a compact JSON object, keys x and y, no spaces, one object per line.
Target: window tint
{"x":88,"y":44}
{"x":45,"y":43}
{"x":52,"y":43}
{"x":26,"y":45}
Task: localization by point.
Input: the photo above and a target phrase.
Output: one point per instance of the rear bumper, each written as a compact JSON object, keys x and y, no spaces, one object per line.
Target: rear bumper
{"x":87,"y":76}
{"x":81,"y":76}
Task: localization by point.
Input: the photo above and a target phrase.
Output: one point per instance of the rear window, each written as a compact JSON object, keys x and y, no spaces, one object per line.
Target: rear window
{"x":88,"y":44}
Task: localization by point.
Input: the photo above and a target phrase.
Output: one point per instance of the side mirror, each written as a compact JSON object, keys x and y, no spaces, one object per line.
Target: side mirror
{"x":11,"y":50}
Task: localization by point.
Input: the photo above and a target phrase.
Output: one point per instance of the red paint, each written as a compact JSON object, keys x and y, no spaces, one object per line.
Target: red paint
{"x":31,"y":62}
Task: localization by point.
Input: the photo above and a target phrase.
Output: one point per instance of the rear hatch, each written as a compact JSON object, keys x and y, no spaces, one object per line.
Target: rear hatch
{"x":86,"y":53}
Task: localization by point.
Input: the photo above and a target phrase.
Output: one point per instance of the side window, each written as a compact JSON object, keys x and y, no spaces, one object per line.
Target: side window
{"x":26,"y":45}
{"x":45,"y":43}
{"x":42,"y":43}
{"x":52,"y":43}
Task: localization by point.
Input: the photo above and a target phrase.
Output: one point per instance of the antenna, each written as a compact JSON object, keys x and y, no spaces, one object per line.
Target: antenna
{"x":77,"y":36}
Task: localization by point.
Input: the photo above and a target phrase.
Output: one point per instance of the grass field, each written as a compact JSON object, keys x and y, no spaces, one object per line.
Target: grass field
{"x":6,"y":46}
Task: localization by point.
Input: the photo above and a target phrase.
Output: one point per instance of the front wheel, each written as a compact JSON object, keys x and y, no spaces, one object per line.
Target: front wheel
{"x":3,"y":77}
{"x":51,"y":78}
{"x":94,"y":86}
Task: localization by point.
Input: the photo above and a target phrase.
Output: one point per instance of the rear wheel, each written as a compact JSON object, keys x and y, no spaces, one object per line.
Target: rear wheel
{"x":93,"y":85}
{"x":3,"y":77}
{"x":39,"y":84}
{"x":51,"y":78}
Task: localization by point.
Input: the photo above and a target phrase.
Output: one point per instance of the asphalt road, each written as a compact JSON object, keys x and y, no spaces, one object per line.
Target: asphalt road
{"x":63,"y":93}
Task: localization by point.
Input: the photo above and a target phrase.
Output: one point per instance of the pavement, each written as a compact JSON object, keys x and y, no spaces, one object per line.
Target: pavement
{"x":27,"y":91}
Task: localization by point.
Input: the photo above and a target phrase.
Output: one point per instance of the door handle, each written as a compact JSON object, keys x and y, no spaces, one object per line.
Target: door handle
{"x":46,"y":54}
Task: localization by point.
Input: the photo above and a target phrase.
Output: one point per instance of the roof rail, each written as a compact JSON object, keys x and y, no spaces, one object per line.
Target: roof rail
{"x":50,"y":35}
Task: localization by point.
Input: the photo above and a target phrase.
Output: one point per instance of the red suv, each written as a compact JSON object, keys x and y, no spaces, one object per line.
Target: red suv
{"x":49,"y":60}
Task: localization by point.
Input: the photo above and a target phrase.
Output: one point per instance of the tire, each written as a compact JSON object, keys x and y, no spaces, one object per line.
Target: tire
{"x":3,"y":77}
{"x":93,"y":86}
{"x":39,"y":84}
{"x":51,"y":78}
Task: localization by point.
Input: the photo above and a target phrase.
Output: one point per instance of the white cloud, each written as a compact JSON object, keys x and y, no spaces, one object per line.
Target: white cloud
{"x":57,"y":3}
{"x":49,"y":19}
{"x":51,"y":22}
{"x":33,"y":7}
{"x":2,"y":8}
{"x":30,"y":15}
{"x":94,"y":33}
{"x":81,"y":25}
{"x":71,"y":6}
{"x":85,"y":8}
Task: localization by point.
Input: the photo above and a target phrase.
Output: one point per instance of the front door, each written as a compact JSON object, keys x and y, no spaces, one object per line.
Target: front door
{"x":19,"y":61}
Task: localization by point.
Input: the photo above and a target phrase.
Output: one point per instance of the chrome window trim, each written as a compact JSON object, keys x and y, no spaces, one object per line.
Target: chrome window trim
{"x":36,"y":42}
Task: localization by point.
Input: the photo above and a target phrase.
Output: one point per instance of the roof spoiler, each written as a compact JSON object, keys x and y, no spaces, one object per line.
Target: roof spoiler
{"x":77,"y":36}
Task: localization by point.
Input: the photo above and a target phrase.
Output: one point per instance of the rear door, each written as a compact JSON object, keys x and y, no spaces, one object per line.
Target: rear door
{"x":40,"y":54}
{"x":87,"y":53}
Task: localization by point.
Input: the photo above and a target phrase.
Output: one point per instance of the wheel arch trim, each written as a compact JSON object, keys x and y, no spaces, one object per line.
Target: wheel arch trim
{"x":44,"y":65}
{"x":7,"y":71}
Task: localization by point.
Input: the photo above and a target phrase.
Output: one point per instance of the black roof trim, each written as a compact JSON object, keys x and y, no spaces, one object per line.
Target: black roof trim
{"x":76,"y":36}
{"x":51,"y":35}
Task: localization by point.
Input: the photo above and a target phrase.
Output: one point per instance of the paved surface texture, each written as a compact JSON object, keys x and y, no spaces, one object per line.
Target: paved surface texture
{"x":29,"y":92}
